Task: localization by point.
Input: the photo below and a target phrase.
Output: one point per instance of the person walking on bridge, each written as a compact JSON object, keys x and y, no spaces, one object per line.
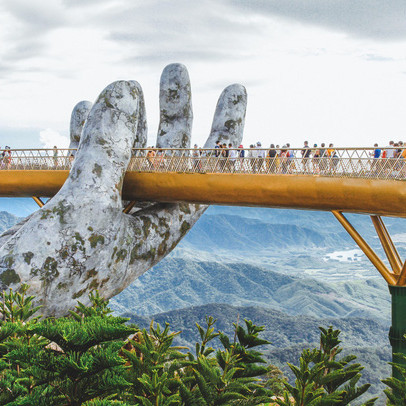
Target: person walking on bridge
{"x":232,"y":156}
{"x":151,"y":157}
{"x":271,"y":160}
{"x":241,"y":154}
{"x":197,"y":165}
{"x":291,"y":158}
{"x":316,"y":159}
{"x":55,"y":156}
{"x":7,"y":157}
{"x":375,"y":165}
{"x":306,"y":153}
{"x":2,"y":155}
{"x":252,"y":157}
{"x":261,"y":156}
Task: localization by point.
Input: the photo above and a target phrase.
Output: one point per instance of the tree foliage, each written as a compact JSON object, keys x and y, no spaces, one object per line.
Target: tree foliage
{"x":322,"y":378}
{"x":396,"y":391}
{"x":93,"y":358}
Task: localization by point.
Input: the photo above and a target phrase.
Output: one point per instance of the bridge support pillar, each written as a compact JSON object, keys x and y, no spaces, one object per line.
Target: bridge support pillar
{"x":38,"y":201}
{"x":396,"y":280}
{"x":398,"y":328}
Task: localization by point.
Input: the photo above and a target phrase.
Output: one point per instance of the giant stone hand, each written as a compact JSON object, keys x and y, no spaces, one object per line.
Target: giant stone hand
{"x":81,"y":239}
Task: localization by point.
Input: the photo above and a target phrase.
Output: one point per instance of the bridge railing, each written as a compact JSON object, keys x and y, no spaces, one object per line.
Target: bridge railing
{"x":332,"y":162}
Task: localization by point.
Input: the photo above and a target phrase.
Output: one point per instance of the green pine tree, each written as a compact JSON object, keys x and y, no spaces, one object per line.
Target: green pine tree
{"x":323,"y":379}
{"x":82,"y":361}
{"x":18,"y":344}
{"x":153,"y":365}
{"x":396,"y":391}
{"x":232,"y":377}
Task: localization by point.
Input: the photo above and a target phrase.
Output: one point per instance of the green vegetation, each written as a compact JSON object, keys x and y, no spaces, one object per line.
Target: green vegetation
{"x":322,"y":378}
{"x":94,"y":358}
{"x":396,"y":393}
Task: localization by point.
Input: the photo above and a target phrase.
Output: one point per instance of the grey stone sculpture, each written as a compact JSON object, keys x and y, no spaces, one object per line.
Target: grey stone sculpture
{"x":81,"y":239}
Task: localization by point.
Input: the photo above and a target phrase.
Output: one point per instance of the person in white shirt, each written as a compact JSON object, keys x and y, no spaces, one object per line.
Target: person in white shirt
{"x":197,"y":166}
{"x":388,"y":153}
{"x":232,"y":156}
{"x":261,"y":153}
{"x":389,"y":150}
{"x":252,"y":157}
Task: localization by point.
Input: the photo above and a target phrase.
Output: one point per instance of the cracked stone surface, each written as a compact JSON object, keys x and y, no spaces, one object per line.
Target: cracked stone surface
{"x":81,"y":239}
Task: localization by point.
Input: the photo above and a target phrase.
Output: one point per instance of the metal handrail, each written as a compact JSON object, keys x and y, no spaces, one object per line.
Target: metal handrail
{"x":331,"y":162}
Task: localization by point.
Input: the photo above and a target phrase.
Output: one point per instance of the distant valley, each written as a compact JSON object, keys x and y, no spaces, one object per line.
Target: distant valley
{"x":289,"y":270}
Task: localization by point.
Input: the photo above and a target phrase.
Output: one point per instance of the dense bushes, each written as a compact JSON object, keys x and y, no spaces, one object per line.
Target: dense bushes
{"x":93,"y":358}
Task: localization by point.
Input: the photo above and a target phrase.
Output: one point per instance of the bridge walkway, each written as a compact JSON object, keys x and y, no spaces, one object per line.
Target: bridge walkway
{"x":339,"y":180}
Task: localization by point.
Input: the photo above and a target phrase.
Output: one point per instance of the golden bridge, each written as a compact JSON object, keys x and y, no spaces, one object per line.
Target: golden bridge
{"x":351,"y":180}
{"x":345,"y":180}
{"x":342,"y":180}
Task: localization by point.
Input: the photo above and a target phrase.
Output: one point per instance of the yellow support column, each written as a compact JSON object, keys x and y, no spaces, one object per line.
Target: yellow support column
{"x":38,"y":201}
{"x":368,"y":251}
{"x":129,"y":206}
{"x":402,"y":277}
{"x":387,"y":244}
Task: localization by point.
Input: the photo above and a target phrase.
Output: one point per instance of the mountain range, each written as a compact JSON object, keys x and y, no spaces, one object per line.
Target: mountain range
{"x":288,"y":270}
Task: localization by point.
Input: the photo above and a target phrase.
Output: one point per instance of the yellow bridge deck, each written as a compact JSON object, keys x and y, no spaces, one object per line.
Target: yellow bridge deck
{"x":296,"y":191}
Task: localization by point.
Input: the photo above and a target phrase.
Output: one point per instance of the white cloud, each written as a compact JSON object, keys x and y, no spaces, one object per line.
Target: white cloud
{"x":307,"y":77}
{"x":49,"y":138}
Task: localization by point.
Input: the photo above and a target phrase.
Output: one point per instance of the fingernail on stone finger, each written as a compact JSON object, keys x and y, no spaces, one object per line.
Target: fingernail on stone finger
{"x":229,"y":117}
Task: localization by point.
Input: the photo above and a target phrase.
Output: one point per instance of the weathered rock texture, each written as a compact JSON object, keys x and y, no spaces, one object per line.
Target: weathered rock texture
{"x":81,"y":239}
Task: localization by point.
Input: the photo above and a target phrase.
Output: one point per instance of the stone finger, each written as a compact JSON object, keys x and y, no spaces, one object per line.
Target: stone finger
{"x":77,"y":122}
{"x":229,"y":117}
{"x":175,"y":102}
{"x":105,"y":145}
{"x":141,"y":135}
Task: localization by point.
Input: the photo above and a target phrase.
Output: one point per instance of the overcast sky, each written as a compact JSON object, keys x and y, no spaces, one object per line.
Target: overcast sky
{"x":320,"y":70}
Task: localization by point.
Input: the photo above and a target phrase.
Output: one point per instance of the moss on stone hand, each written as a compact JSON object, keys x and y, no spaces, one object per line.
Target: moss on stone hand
{"x":9,"y":261}
{"x":60,"y":210}
{"x":237,"y":99}
{"x":79,"y":294}
{"x":28,"y":257}
{"x":232,"y":124}
{"x":146,"y":256}
{"x":185,"y":227}
{"x":90,"y":274}
{"x":97,"y":170}
{"x":147,"y":223}
{"x":45,"y":214}
{"x":95,"y":239}
{"x":185,"y":208}
{"x":162,"y":248}
{"x":62,"y":286}
{"x":50,"y":268}
{"x":8,"y":277}
{"x":121,"y":255}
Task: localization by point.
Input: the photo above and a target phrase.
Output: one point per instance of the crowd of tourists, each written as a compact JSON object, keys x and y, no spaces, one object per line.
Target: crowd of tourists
{"x":226,"y":157}
{"x":5,"y":157}
{"x":284,"y":159}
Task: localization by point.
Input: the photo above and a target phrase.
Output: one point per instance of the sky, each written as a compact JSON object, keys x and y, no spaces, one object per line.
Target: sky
{"x":316,"y":70}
